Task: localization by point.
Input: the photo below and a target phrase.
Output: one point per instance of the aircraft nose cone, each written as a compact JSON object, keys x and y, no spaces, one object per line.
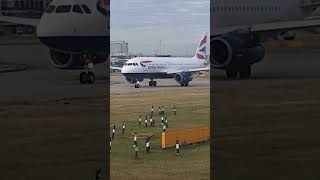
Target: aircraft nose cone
{"x":43,"y":32}
{"x":41,"y":28}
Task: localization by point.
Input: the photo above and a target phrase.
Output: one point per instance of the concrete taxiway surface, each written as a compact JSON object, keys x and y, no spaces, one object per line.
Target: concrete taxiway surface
{"x":40,"y":80}
{"x":283,"y":64}
{"x":119,"y":85}
{"x":52,"y":127}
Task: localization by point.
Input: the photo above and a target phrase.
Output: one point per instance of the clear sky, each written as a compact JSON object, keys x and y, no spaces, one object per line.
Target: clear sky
{"x":143,"y":23}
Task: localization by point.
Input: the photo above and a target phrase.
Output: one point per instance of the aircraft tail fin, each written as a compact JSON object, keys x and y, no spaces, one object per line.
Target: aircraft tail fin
{"x":202,"y":47}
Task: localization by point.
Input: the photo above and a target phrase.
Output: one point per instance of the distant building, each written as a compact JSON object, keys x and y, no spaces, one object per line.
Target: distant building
{"x":21,"y":8}
{"x":119,"y":47}
{"x":117,"y":62}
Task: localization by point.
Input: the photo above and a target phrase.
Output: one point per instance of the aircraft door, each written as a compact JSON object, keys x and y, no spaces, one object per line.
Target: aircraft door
{"x":145,"y":68}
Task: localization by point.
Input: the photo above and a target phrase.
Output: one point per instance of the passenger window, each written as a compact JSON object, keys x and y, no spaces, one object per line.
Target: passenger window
{"x":77,"y":9}
{"x":129,"y":64}
{"x":86,"y":9}
{"x":50,"y":9}
{"x":63,"y":9}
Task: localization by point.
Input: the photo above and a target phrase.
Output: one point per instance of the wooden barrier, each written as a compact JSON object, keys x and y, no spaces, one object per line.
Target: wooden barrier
{"x":185,"y":136}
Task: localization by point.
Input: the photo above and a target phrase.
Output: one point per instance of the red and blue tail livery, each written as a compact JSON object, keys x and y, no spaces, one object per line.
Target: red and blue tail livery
{"x":103,"y":7}
{"x":201,"y":51}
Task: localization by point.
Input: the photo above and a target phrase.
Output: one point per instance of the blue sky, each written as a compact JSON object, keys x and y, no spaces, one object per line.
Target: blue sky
{"x":143,"y":23}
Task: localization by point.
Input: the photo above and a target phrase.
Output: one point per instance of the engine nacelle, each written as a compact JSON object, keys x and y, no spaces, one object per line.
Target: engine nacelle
{"x":290,"y":35}
{"x":233,"y":50}
{"x":133,"y":80}
{"x":183,"y":77}
{"x":64,"y":60}
{"x":314,"y":15}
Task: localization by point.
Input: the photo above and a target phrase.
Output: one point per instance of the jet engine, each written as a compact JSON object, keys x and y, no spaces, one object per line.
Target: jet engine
{"x":65,"y":60}
{"x":236,"y":51}
{"x":314,"y":15}
{"x":289,"y":35}
{"x":183,"y":78}
{"x":131,"y":80}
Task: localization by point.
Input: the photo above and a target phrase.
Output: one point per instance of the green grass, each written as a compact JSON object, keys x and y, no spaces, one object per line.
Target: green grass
{"x":53,"y":139}
{"x":267,"y":130}
{"x":192,"y":110}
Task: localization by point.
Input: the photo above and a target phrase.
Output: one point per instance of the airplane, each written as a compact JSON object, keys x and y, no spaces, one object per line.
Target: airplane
{"x":137,"y":69}
{"x":76,"y":33}
{"x":239,"y":27}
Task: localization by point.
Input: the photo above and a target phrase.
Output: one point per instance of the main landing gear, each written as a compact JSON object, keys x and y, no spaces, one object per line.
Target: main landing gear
{"x":87,"y":77}
{"x":152,"y":83}
{"x":184,"y":84}
{"x":244,"y":73}
{"x":137,"y":85}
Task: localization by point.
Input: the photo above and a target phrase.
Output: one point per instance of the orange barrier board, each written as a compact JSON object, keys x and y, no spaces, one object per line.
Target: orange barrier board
{"x":185,"y":136}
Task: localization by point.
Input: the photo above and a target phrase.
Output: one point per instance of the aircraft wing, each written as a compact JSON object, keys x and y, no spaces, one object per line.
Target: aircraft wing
{"x":19,"y":20}
{"x":189,"y":70}
{"x":116,"y":68}
{"x":271,"y":27}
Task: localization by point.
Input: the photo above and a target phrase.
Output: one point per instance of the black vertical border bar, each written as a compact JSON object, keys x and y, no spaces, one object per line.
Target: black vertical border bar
{"x":212,"y":102}
{"x":107,"y":99}
{"x":107,"y":125}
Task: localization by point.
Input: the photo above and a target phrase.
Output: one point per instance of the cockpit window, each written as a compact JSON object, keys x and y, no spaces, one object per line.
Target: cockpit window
{"x":129,"y":64}
{"x":50,"y":9}
{"x":63,"y":9}
{"x":86,"y":9}
{"x":77,"y":9}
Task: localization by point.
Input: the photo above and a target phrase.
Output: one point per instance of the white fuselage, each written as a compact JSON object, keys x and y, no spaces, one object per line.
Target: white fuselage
{"x":247,"y":12}
{"x":158,"y":67}
{"x":70,"y":30}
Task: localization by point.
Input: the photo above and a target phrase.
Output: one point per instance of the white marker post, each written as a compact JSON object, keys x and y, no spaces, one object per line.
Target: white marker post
{"x":177,"y":148}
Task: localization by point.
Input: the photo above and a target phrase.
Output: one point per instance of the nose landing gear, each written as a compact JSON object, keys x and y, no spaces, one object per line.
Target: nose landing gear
{"x":88,"y":76}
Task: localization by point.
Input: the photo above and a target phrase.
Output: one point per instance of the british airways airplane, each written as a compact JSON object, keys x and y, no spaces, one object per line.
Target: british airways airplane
{"x":239,"y":27}
{"x":137,"y":69}
{"x":75,"y":31}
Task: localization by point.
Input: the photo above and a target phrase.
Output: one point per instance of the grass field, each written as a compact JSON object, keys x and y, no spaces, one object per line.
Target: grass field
{"x":266,"y":129}
{"x":58,"y":139}
{"x":192,"y":110}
